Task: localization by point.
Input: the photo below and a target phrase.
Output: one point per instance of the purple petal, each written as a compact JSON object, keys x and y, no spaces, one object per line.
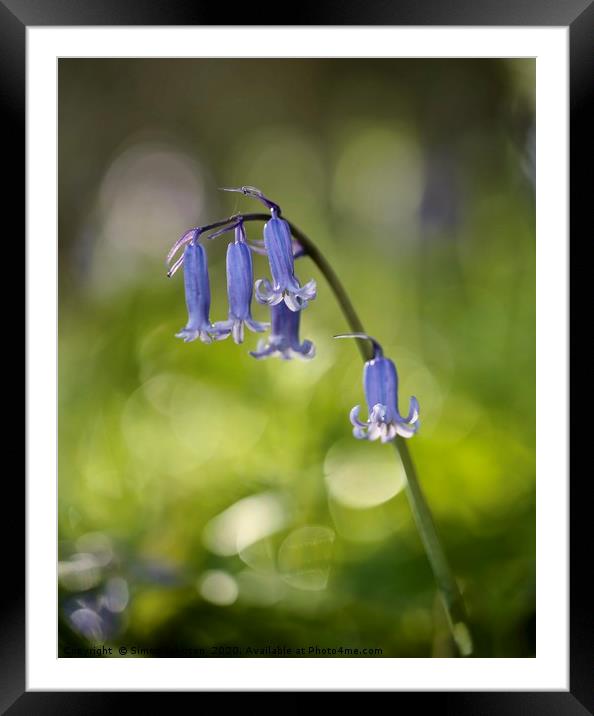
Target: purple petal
{"x":306,"y":350}
{"x":240,"y":278}
{"x":413,"y":412}
{"x":264,"y":350}
{"x":256,"y":326}
{"x":380,"y":381}
{"x":197,"y":288}
{"x":277,"y":240}
{"x":265,"y":293}
{"x":354,"y":417}
{"x":406,"y":431}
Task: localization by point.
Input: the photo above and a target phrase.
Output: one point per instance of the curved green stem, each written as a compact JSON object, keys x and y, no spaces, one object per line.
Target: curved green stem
{"x":444,"y":578}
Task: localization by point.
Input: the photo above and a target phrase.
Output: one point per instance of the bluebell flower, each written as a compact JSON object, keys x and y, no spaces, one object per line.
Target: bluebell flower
{"x":380,"y":383}
{"x":197,"y":289}
{"x":284,"y":337}
{"x":240,"y":279}
{"x":285,"y":286}
{"x":279,"y":249}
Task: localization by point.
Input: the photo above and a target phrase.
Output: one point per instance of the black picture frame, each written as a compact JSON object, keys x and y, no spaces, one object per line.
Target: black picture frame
{"x":578,"y":15}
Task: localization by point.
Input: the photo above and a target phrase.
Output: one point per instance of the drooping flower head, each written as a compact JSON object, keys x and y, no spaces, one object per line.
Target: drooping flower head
{"x":240,"y":280}
{"x":197,"y":290}
{"x":380,"y":383}
{"x":279,"y":248}
{"x":284,"y":337}
{"x":285,"y":286}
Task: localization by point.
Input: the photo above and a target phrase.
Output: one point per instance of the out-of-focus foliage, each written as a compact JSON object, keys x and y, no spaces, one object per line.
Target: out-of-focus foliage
{"x":207,"y":499}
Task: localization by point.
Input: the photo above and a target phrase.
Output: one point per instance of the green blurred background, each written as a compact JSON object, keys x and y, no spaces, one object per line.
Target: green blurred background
{"x":210,"y":500}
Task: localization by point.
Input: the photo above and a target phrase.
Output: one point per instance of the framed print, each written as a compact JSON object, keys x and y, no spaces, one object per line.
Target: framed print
{"x":297,"y":353}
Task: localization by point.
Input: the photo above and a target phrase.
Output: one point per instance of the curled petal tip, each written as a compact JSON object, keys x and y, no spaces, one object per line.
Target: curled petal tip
{"x":293,"y":302}
{"x":406,"y":431}
{"x":306,"y":351}
{"x":413,"y":411}
{"x":354,"y":417}
{"x":187,"y":336}
{"x":256,"y":326}
{"x":266,"y":293}
{"x":310,"y":349}
{"x":263,"y":350}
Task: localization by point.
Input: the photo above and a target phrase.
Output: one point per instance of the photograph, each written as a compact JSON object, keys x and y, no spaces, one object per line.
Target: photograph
{"x":296,"y":389}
